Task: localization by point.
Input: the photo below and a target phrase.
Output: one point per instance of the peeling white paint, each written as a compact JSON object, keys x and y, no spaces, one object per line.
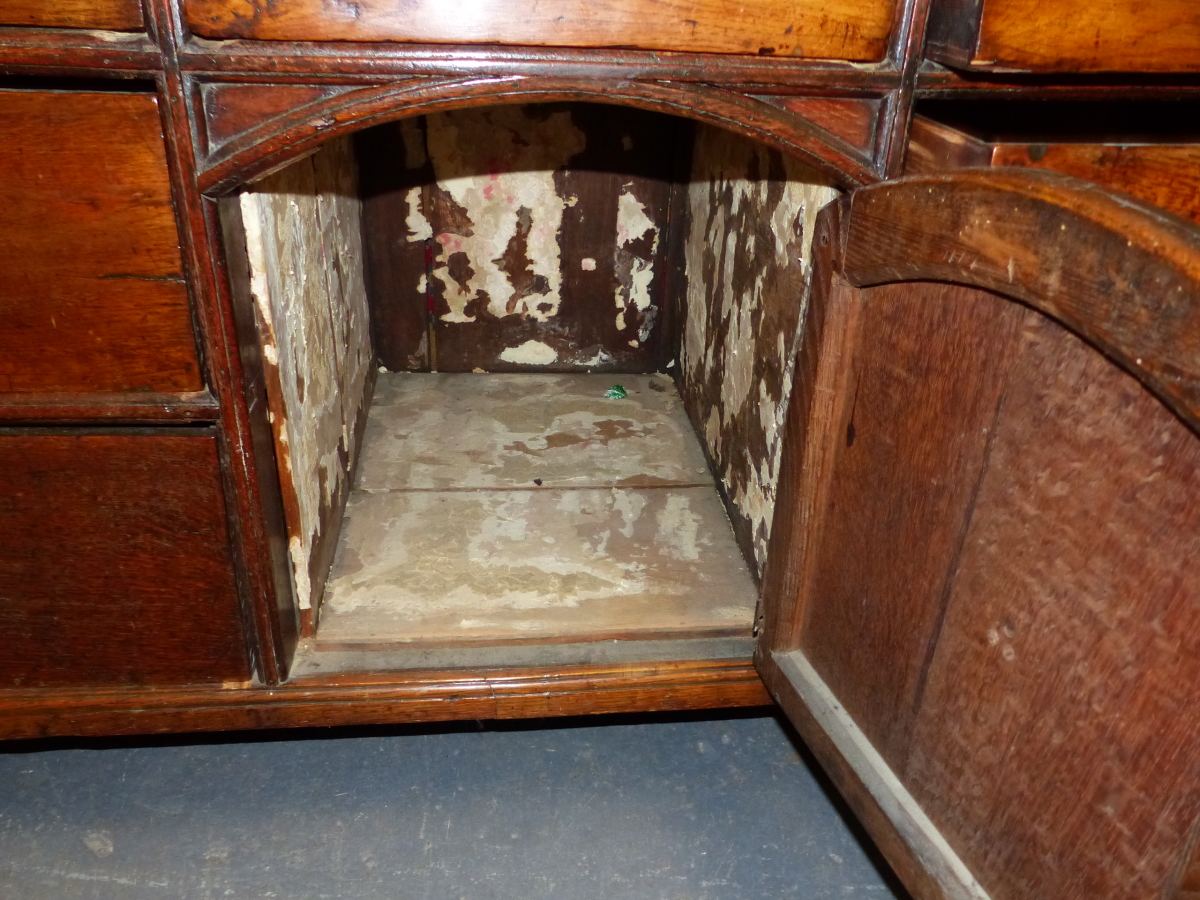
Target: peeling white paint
{"x":521,"y":153}
{"x":587,"y":264}
{"x":305,"y":253}
{"x":419,"y":228}
{"x":728,"y":271}
{"x":679,"y":527}
{"x":530,"y":353}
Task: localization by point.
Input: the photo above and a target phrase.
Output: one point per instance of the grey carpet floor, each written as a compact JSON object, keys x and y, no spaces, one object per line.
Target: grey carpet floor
{"x":695,"y":807}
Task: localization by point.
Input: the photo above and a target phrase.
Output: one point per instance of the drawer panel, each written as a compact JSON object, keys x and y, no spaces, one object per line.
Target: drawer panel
{"x":823,"y":29}
{"x":92,"y":292}
{"x":1067,"y":35}
{"x":115,"y":565}
{"x":110,"y":15}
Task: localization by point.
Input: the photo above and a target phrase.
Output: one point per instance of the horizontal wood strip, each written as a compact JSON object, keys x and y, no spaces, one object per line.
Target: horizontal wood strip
{"x":114,"y":15}
{"x":822,"y":29}
{"x":1165,"y":175}
{"x":1086,"y":36}
{"x":387,"y":698}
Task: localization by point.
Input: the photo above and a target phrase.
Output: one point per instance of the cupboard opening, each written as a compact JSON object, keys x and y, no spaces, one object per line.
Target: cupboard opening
{"x":527,"y":369}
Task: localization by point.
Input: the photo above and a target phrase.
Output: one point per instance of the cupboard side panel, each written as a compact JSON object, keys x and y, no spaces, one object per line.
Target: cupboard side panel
{"x":1056,"y":746}
{"x":748,"y":260}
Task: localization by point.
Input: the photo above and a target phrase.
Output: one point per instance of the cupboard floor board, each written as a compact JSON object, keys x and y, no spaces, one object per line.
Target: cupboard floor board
{"x":532,"y":509}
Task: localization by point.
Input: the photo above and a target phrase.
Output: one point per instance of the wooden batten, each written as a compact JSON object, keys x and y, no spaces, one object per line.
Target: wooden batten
{"x":304,"y":245}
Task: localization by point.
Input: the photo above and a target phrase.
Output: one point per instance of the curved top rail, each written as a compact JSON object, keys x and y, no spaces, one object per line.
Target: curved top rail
{"x":1121,"y":274}
{"x":282,"y":140}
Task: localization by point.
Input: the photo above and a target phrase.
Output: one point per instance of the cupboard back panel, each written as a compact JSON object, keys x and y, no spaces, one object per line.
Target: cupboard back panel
{"x":521,"y":238}
{"x":115,"y":564}
{"x":92,"y":291}
{"x":111,"y":15}
{"x":826,"y":29}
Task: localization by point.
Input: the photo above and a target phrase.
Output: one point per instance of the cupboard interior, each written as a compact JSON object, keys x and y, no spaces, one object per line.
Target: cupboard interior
{"x":445,"y":305}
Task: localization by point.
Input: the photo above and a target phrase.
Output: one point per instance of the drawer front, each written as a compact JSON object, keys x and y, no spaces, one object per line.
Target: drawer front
{"x":110,"y":15}
{"x":1067,"y":35}
{"x":115,"y":564}
{"x":92,"y":292}
{"x":822,"y":29}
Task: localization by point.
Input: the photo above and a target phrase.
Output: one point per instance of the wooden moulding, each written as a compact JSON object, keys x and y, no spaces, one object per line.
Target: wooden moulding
{"x":1066,"y":36}
{"x":384,"y":699}
{"x":272,"y":145}
{"x":111,"y":15}
{"x":825,"y":29}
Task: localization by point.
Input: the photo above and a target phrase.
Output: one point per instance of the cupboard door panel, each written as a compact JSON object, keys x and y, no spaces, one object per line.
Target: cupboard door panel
{"x":115,"y":563}
{"x":823,"y":29}
{"x":92,"y":292}
{"x":111,"y":15}
{"x":991,"y":641}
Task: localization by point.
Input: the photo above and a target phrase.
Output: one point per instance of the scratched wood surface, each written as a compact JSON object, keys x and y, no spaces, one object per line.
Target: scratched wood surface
{"x":115,"y":562}
{"x":751,"y":217}
{"x":532,"y":508}
{"x":919,"y":409}
{"x":1069,"y":643}
{"x":520,"y":238}
{"x":304,"y":247}
{"x":92,"y":292}
{"x":111,"y":15}
{"x":837,"y":29}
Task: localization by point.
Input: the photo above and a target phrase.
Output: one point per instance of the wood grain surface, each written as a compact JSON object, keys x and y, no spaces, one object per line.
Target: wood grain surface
{"x":1121,"y":274}
{"x":1085,"y":36}
{"x":111,"y":15}
{"x":1163,"y":174}
{"x":114,"y":562}
{"x":428,"y":696}
{"x":93,"y":295}
{"x":826,"y":29}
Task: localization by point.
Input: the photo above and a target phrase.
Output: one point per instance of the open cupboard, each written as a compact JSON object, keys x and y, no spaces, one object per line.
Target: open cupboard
{"x":308,"y":322}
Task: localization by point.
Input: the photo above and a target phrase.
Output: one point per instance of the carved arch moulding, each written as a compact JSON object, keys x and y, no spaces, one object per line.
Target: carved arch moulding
{"x":250,"y":130}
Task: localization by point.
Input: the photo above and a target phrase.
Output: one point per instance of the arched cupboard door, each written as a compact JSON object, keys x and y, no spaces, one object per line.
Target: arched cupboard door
{"x":983,"y":601}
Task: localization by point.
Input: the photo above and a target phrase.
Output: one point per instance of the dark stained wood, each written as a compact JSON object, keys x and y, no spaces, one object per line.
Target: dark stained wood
{"x":394,"y":161}
{"x":1069,"y":35}
{"x":382,"y":698}
{"x":266,"y":149}
{"x":1121,"y":274}
{"x":231,"y":110}
{"x":115,"y":562}
{"x":833,"y":29}
{"x":78,"y":53}
{"x":113,"y":15}
{"x":1165,"y":175}
{"x":851,"y":119}
{"x":93,"y":293}
{"x":919,"y":410}
{"x":1056,"y":745}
